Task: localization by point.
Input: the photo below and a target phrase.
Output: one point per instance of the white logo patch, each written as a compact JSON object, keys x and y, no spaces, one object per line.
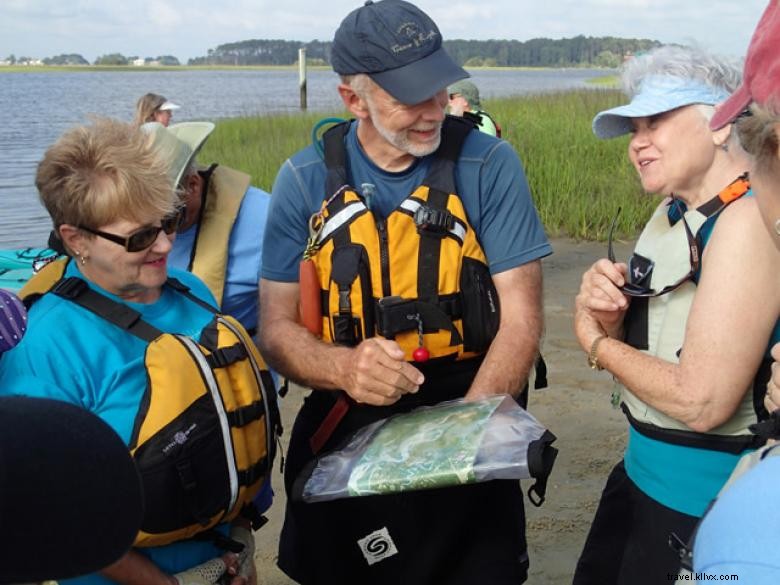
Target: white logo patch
{"x":377,"y":546}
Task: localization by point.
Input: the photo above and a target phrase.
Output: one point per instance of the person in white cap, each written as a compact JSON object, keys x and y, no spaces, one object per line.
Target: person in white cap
{"x":677,"y":327}
{"x":153,"y":107}
{"x":421,"y":228}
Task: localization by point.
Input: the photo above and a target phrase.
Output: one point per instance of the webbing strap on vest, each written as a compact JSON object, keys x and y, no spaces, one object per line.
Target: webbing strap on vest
{"x":335,"y":157}
{"x":77,"y":290}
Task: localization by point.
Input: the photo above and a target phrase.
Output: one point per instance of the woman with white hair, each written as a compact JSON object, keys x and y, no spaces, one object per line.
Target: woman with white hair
{"x":678,"y":326}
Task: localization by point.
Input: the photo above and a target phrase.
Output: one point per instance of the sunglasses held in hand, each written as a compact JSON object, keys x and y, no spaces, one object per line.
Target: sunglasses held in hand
{"x":636,"y":290}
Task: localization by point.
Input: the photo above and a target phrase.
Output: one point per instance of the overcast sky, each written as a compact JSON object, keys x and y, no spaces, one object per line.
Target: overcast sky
{"x":188,"y":28}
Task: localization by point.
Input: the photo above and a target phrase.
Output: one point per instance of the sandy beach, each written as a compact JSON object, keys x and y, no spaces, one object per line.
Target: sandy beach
{"x":575,"y":407}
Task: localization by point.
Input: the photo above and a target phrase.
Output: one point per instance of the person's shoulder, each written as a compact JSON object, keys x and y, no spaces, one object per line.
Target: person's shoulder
{"x":306,"y":157}
{"x":740,"y":217}
{"x":481,"y":146}
{"x":196,"y":285}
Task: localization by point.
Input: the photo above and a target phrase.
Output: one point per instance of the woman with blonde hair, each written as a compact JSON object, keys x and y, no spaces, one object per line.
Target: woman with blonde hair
{"x":92,"y":328}
{"x":154,"y":108}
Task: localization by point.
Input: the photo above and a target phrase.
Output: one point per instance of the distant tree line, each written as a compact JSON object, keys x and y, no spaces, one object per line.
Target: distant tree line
{"x":579,"y":51}
{"x":265,"y":52}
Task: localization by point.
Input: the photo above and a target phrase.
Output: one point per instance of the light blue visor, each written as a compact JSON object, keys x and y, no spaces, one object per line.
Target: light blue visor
{"x":657,"y":94}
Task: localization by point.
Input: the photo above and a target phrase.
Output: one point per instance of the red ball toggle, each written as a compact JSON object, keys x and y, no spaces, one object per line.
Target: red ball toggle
{"x":421,"y":355}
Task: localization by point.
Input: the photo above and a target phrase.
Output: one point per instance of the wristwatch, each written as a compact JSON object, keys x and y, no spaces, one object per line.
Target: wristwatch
{"x":593,"y":360}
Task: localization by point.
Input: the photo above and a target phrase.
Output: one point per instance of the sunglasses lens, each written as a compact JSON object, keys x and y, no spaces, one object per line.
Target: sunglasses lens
{"x":171,"y":223}
{"x":143,"y":239}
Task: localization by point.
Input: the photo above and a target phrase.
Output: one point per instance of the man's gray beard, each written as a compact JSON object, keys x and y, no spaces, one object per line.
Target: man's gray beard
{"x":400,"y":140}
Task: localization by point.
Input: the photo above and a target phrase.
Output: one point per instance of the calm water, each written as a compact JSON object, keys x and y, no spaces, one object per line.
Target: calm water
{"x":35,"y":108}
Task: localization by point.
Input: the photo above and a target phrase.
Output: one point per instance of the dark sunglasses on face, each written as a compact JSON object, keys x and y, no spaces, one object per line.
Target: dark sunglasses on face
{"x":143,"y":238}
{"x":635,"y":290}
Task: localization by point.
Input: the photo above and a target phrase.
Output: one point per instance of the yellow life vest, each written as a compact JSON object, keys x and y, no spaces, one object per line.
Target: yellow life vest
{"x":225,"y":190}
{"x":205,"y":434}
{"x":419,"y":277}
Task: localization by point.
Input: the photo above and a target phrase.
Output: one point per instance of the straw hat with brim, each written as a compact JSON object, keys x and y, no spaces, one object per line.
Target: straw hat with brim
{"x":70,"y":494}
{"x":761,"y":76}
{"x":657,"y":94}
{"x":179,"y":143}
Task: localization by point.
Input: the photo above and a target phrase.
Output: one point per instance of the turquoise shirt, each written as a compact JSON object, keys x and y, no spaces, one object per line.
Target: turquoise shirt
{"x":71,"y":354}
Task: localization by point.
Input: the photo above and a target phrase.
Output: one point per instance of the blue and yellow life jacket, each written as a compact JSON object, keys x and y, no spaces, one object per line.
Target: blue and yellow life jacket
{"x":419,"y":276}
{"x":204,"y":438}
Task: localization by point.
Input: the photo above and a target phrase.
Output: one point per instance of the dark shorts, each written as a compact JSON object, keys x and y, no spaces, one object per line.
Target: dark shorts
{"x":628,"y":542}
{"x":465,"y":535}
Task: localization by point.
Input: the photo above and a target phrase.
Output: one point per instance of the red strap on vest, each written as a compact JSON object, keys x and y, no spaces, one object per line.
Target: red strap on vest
{"x":329,"y":423}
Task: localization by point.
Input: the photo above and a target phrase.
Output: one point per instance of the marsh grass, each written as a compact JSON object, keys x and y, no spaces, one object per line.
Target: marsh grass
{"x":577,"y":181}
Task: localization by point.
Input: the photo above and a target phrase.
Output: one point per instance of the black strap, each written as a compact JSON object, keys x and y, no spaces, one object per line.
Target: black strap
{"x":219,"y":540}
{"x":258,"y":471}
{"x":204,"y":192}
{"x":441,"y":175}
{"x":78,"y":291}
{"x":541,"y":458}
{"x":189,"y":485}
{"x":246,"y":414}
{"x":735,"y":444}
{"x":716,"y":204}
{"x":429,"y":253}
{"x":225,"y":356}
{"x":540,"y":367}
{"x":335,"y":157}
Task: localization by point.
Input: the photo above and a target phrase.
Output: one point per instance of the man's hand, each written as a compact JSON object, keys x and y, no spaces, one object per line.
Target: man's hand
{"x":375,"y":373}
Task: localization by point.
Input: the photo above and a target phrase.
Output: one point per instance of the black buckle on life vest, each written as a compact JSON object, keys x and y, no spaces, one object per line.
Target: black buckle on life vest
{"x":223,"y":357}
{"x":246,"y":414}
{"x":433,"y":221}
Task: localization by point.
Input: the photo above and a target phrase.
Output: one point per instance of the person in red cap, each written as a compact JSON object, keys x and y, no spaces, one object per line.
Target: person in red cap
{"x":736,"y":536}
{"x":755,"y":108}
{"x":421,"y":227}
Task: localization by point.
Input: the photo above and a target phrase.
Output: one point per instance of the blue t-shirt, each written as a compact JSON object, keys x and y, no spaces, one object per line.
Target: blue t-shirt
{"x":71,"y":354}
{"x":489,"y":179}
{"x":245,"y":253}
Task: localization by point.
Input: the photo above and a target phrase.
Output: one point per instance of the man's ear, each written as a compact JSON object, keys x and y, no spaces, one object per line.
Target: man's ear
{"x":353,"y":102}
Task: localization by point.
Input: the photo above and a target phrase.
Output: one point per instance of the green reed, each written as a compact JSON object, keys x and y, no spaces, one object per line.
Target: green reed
{"x":577,"y":181}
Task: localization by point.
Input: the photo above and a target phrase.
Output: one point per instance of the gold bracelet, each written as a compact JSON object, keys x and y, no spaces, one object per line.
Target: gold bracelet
{"x":593,"y":359}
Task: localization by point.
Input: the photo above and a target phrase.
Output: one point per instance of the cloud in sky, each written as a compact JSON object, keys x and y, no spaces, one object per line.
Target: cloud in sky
{"x":188,"y":28}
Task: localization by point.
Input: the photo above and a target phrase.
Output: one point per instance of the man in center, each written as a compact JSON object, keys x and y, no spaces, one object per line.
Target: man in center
{"x":427,"y":288}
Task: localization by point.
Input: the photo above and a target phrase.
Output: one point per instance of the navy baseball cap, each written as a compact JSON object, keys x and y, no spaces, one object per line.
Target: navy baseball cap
{"x":398,"y":46}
